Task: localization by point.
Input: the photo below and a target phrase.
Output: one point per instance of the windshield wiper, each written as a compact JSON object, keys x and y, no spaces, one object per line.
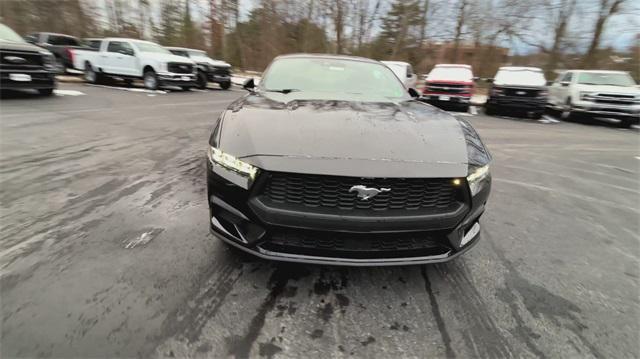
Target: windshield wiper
{"x":284,"y":91}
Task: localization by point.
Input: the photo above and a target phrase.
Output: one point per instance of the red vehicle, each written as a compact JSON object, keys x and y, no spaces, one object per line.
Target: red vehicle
{"x":449,"y":85}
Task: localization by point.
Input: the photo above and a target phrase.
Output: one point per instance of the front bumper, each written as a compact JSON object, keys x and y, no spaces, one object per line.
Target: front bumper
{"x":604,"y":110}
{"x":337,"y":241}
{"x":445,"y":99}
{"x":173,"y":79}
{"x":38,"y":80}
{"x":522,"y":103}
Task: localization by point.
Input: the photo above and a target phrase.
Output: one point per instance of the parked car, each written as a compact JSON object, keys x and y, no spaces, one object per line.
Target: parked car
{"x":449,"y":85}
{"x":517,"y":89}
{"x":209,"y":70}
{"x":404,"y":71}
{"x":596,"y":93}
{"x":136,"y":59}
{"x":60,"y":45}
{"x":331,"y":160}
{"x":25,"y":66}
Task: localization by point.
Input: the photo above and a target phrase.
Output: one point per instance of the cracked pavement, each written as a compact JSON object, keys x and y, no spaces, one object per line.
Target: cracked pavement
{"x":105,"y":248}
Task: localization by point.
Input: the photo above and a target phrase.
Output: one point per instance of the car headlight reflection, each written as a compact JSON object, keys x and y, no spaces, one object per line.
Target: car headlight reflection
{"x":476,"y":178}
{"x":231,"y":163}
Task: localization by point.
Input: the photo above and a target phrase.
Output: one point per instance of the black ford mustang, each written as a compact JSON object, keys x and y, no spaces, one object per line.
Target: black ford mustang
{"x":331,"y":160}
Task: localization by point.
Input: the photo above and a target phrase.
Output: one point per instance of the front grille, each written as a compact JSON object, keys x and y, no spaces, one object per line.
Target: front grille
{"x":332,"y":192}
{"x":355,"y":245}
{"x":614,"y":99}
{"x":18,"y":60}
{"x":180,"y":68}
{"x":447,"y":88}
{"x":220,"y":71}
{"x":521,"y":92}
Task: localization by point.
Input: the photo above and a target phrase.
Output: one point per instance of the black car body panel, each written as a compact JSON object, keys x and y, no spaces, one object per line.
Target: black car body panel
{"x":312,"y":153}
{"x":527,"y":98}
{"x":24,"y":66}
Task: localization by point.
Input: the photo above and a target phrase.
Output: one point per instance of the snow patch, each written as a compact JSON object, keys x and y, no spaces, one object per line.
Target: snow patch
{"x":130,"y":89}
{"x":142,"y":239}
{"x":68,"y":93}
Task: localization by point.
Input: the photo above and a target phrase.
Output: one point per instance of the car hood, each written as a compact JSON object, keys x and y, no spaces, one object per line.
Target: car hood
{"x":623,"y":90}
{"x":347,"y":138}
{"x":20,"y":46}
{"x":209,"y":61}
{"x":166,"y":57}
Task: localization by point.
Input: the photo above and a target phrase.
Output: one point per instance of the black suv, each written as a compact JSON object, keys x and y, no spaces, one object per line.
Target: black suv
{"x":331,"y":160}
{"x":25,"y":66}
{"x":517,"y":89}
{"x":209,"y":70}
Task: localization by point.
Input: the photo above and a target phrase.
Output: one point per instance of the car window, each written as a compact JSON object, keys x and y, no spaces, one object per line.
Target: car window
{"x":59,"y":40}
{"x":94,"y":44}
{"x":114,"y":46}
{"x":450,"y":73}
{"x":567,"y":77}
{"x":520,"y":76}
{"x":180,"y":53}
{"x":335,"y":78}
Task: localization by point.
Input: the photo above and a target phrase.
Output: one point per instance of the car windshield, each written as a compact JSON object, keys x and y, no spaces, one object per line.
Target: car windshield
{"x":605,"y":78}
{"x":151,"y":47}
{"x":9,"y":35}
{"x":450,"y":73}
{"x":527,"y":77}
{"x":334,"y":79}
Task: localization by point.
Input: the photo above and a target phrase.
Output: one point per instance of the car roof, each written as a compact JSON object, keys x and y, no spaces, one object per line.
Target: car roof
{"x":327,"y":56}
{"x":125,"y":39}
{"x":181,"y":48}
{"x":55,"y":34}
{"x":453,"y":65}
{"x":396,"y":63}
{"x":598,"y":71}
{"x":516,"y":68}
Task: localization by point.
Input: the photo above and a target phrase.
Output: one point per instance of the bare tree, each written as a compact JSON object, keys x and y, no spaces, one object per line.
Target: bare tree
{"x":606,"y":9}
{"x":460,"y":22}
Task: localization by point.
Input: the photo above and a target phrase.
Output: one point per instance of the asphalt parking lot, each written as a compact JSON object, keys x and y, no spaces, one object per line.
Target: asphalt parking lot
{"x":105,"y":248}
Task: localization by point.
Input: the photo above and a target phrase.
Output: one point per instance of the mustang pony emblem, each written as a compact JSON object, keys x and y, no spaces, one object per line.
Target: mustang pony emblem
{"x":364,"y":192}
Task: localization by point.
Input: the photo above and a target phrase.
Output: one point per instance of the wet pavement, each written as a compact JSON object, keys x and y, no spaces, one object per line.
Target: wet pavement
{"x":105,"y":248}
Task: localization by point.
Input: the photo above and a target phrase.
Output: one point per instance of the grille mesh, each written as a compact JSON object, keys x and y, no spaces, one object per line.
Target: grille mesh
{"x":180,"y":68}
{"x":316,"y":191}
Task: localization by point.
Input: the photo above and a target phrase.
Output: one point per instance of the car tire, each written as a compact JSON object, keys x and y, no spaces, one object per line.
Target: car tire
{"x":225,"y":85}
{"x":489,"y":110}
{"x":128,"y":83}
{"x":201,"y":80}
{"x":61,"y":68}
{"x":625,"y":123}
{"x":90,"y":75}
{"x":464,"y":108}
{"x":566,"y":113}
{"x":185,"y":88}
{"x":537,"y":115}
{"x":45,"y":92}
{"x":150,"y":79}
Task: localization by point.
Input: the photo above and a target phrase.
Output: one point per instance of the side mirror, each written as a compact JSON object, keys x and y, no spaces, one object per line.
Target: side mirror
{"x":409,"y":76}
{"x":413,"y":93}
{"x":565,"y":84}
{"x":249,"y":85}
{"x":489,"y":80}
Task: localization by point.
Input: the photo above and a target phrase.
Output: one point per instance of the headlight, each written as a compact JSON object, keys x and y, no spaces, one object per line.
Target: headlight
{"x":48,"y":60}
{"x":231,"y":163}
{"x":586,"y":96}
{"x":476,"y":178}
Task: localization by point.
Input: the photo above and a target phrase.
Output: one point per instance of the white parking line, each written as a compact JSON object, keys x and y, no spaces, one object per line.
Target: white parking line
{"x":129,"y":89}
{"x":68,"y":93}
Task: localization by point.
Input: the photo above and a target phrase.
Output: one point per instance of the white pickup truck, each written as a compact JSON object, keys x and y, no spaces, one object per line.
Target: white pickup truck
{"x":596,"y":93}
{"x":134,"y":59}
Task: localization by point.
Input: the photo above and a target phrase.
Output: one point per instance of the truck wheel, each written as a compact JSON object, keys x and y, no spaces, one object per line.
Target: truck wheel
{"x":150,"y":80}
{"x":89,"y":74}
{"x":567,"y":114}
{"x":128,"y":82}
{"x":61,"y":68}
{"x":185,"y":88}
{"x":201,"y":81}
{"x":225,"y":85}
{"x":489,"y":110}
{"x":45,"y":92}
{"x":624,"y":123}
